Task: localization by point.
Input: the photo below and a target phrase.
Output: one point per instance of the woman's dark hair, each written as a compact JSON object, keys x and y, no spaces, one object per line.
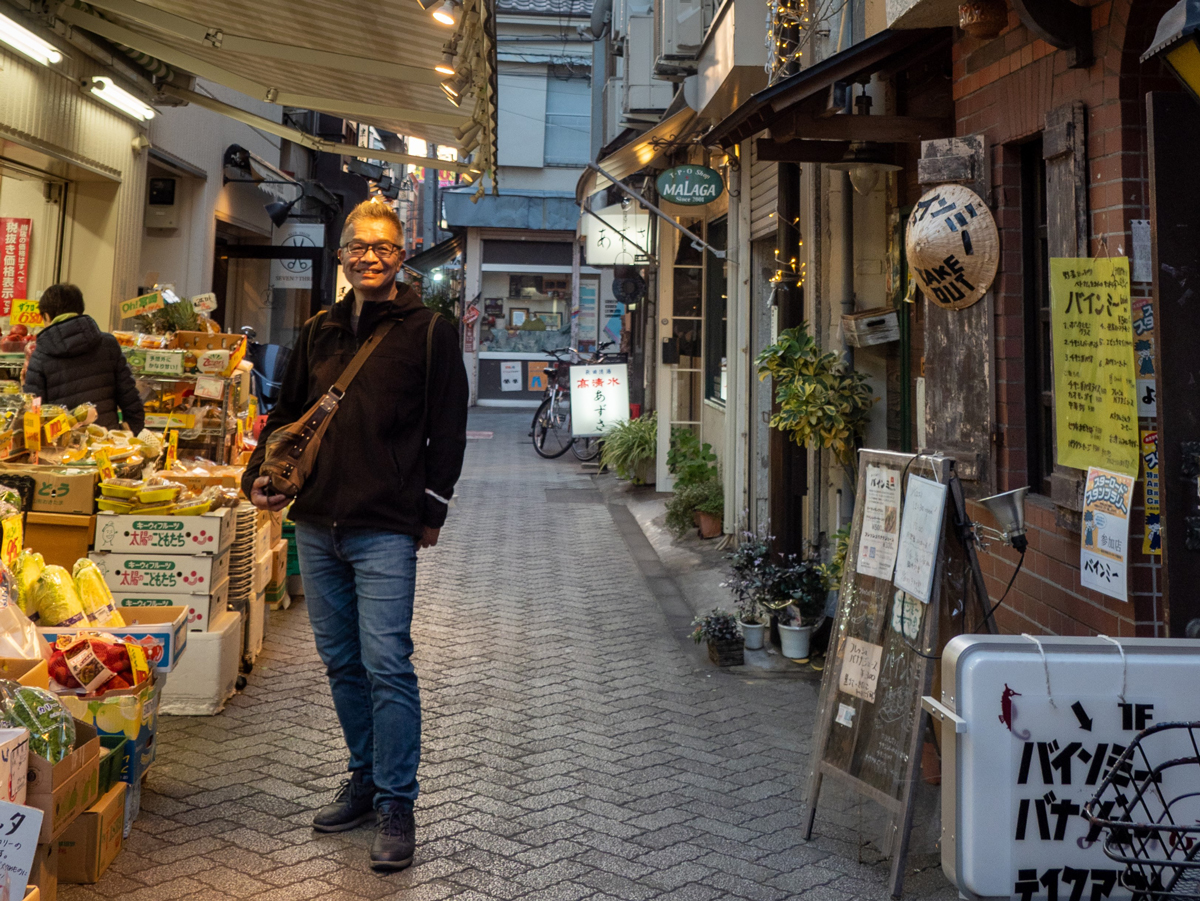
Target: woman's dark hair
{"x":59,"y":299}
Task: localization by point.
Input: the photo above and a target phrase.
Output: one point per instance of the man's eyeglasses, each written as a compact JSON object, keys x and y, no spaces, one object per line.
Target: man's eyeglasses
{"x":356,"y":250}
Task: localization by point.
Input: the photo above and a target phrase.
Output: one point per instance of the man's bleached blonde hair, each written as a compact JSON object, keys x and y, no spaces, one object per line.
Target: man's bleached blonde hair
{"x":372,"y":210}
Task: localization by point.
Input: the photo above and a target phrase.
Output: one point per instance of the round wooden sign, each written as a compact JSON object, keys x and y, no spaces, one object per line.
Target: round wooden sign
{"x":953,"y":246}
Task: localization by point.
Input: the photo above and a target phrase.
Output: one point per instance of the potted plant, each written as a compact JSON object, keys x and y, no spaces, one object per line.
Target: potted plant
{"x":629,"y":449}
{"x":822,"y":401}
{"x":803,"y":589}
{"x":699,"y":498}
{"x":751,"y":579}
{"x":719,"y":630}
{"x":710,"y":509}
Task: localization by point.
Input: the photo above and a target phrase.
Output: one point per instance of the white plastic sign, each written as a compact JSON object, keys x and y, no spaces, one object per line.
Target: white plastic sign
{"x":19,"y":828}
{"x":920,"y":534}
{"x":599,"y":397}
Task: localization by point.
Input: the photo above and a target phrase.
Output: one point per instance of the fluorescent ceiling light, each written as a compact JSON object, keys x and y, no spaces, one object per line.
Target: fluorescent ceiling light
{"x":103,"y":87}
{"x":27,"y":43}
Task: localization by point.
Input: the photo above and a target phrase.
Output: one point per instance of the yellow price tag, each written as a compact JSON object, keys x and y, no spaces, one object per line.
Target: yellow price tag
{"x":6,"y":442}
{"x":147,"y":303}
{"x":13,"y":539}
{"x":26,"y":312}
{"x":252,"y":410}
{"x":172,"y":448}
{"x":56,"y":427}
{"x":241,"y":436}
{"x":104,"y":465}
{"x":33,"y":434}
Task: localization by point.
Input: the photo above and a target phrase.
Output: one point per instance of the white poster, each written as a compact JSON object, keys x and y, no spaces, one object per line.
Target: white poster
{"x":295,"y":273}
{"x":880,"y":524}
{"x":620,"y":239}
{"x":599,"y":397}
{"x":860,"y":669}
{"x":510,"y":376}
{"x":1104,"y":554}
{"x":920,"y":533}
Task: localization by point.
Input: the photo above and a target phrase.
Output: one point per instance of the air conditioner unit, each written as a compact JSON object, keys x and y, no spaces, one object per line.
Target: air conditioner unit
{"x":679,"y":28}
{"x":643,"y":92}
{"x":614,"y":92}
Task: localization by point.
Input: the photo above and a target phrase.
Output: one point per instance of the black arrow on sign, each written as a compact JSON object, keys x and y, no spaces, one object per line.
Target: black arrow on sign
{"x":1080,"y":714}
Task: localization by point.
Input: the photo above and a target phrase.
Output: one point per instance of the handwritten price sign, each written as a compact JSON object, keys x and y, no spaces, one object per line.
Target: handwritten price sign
{"x":25,"y":312}
{"x":147,"y":303}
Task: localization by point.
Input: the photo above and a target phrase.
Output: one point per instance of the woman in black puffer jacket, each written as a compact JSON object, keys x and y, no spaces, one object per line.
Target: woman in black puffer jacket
{"x":76,"y":363}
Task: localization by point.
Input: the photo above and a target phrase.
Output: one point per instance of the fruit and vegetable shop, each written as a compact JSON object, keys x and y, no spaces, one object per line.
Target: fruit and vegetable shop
{"x":135,"y":579}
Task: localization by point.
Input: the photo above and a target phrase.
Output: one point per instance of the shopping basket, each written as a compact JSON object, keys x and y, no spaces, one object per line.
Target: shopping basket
{"x":1148,"y":809}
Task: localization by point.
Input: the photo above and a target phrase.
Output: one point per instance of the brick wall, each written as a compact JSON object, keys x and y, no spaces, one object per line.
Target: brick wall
{"x":1003,"y":88}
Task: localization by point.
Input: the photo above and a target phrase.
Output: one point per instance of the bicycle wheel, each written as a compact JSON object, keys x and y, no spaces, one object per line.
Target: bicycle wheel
{"x":586,"y":448}
{"x":552,"y":429}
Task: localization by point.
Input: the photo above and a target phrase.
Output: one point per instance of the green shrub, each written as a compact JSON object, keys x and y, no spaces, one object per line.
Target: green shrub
{"x":688,"y":461}
{"x":706,"y":497}
{"x":716,"y":626}
{"x":629,"y":444}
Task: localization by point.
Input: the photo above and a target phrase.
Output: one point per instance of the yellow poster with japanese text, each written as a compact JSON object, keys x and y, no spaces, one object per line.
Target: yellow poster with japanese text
{"x":1095,"y":387}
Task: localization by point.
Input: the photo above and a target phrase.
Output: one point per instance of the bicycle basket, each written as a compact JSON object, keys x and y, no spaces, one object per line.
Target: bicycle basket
{"x":1148,"y":807}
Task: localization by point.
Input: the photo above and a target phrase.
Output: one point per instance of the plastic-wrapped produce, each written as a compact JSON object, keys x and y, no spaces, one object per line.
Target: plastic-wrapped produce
{"x":27,"y":569}
{"x":56,"y":599}
{"x":51,"y":728}
{"x":97,"y":600}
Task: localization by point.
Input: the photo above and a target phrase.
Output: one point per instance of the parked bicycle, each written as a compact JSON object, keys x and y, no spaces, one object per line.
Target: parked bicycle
{"x":551,"y":431}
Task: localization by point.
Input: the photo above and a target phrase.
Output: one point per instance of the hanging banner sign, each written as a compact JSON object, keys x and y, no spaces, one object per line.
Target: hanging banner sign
{"x":953,"y":246}
{"x":1107,"y":500}
{"x":1143,"y":349}
{"x":622,"y":237}
{"x":1152,"y":541}
{"x":295,"y":273}
{"x":147,"y":303}
{"x":599,"y":398}
{"x":690,"y":185}
{"x":14,"y":261}
{"x":1095,"y":389}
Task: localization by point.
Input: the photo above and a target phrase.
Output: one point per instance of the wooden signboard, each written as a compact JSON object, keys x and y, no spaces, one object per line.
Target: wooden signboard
{"x":884,"y":643}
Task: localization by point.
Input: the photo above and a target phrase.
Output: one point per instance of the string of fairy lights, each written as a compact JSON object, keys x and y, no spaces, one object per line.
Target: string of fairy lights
{"x":791,"y":25}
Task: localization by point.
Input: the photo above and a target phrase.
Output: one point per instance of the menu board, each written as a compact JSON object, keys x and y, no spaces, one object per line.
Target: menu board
{"x":1095,"y":385}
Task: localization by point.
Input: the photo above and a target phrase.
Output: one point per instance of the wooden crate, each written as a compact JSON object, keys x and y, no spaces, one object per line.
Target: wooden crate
{"x":878,"y":326}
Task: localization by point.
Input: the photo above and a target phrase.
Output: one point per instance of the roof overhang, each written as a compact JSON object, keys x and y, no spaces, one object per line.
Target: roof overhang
{"x":646,"y":149}
{"x":437,"y":255}
{"x":794,"y":107}
{"x":371,"y":63}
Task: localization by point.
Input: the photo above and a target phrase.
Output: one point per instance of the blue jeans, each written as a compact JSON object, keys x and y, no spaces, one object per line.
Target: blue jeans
{"x":359,"y":585}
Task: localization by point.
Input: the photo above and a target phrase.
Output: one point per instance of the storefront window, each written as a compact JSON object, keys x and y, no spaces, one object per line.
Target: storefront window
{"x":31,"y":227}
{"x":525,"y":312}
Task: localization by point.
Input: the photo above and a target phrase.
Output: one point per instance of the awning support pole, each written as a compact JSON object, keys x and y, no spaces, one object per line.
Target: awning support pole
{"x":697,"y":242}
{"x":621,"y":235}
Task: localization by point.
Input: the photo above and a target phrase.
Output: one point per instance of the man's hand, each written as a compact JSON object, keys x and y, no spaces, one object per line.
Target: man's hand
{"x":271,"y":502}
{"x":429,"y":537}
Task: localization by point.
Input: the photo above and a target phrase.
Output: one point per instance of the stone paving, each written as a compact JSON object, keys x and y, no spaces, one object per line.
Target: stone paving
{"x":575,"y":748}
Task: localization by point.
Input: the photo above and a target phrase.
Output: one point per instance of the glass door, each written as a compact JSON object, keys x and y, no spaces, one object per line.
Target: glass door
{"x":248,"y":279}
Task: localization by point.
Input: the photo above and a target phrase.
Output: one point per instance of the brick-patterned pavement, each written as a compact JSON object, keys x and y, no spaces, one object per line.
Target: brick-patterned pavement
{"x":574,"y":747}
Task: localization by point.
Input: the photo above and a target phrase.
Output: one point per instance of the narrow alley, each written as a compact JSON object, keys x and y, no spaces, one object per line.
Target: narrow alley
{"x":575,"y":747}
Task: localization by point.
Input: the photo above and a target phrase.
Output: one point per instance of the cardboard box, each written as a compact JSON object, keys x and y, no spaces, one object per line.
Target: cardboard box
{"x":256,"y":625}
{"x":279,"y":555}
{"x":89,"y":844}
{"x":207,"y":676}
{"x":59,"y":489}
{"x":262,"y":572}
{"x":114,"y":755}
{"x":142,"y":573}
{"x":44,"y":873}
{"x":198,"y":483}
{"x":210,"y":534}
{"x":14,"y":764}
{"x":61,"y":538}
{"x":276,"y":527}
{"x":161,"y":631}
{"x":26,"y":672}
{"x":262,"y":539}
{"x":202,"y":341}
{"x":32,"y":893}
{"x":202,"y":609}
{"x":131,"y":713}
{"x":63,"y":790}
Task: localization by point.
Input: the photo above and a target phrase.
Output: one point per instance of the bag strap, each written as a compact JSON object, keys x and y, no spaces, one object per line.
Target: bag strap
{"x":429,"y":357}
{"x":381,"y":331}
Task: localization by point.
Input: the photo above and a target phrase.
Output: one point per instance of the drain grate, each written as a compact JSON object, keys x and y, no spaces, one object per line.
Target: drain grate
{"x":573,"y":496}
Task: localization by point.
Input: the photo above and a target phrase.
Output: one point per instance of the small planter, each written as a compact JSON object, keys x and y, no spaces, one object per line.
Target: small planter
{"x":794,"y":640}
{"x":752,"y":635}
{"x":645,"y":473}
{"x":726,"y":653}
{"x":709,"y":524}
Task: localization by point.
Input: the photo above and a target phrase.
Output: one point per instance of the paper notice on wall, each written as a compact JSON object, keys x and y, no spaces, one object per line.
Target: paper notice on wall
{"x":845,"y":715}
{"x":920,"y":532}
{"x":510,"y":376}
{"x":1095,"y":397}
{"x":1152,"y":540}
{"x":860,"y":669}
{"x":1107,"y":499}
{"x":880,"y":523}
{"x":1143,"y":265}
{"x":907,"y":612}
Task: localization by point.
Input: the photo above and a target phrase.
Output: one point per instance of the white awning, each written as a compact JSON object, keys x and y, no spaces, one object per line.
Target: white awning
{"x":370,"y":63}
{"x":639,"y":153}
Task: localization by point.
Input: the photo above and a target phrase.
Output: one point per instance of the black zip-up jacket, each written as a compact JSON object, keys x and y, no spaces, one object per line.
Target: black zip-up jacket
{"x":375,"y":469}
{"x":75,"y":363}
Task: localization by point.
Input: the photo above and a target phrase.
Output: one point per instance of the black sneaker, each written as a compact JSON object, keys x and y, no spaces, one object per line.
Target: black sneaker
{"x":353,"y":805}
{"x":397,"y":837}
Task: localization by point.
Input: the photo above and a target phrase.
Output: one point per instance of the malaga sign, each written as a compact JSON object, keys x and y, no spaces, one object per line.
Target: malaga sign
{"x":690,"y":185}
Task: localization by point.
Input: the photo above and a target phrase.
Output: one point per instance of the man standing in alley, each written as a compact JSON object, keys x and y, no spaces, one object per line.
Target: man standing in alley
{"x":378,"y":493}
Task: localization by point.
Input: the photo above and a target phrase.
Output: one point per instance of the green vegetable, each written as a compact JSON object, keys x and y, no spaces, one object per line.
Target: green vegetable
{"x":51,"y":727}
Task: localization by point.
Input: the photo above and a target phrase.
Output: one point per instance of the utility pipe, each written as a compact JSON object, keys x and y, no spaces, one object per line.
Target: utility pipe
{"x":847,"y":260}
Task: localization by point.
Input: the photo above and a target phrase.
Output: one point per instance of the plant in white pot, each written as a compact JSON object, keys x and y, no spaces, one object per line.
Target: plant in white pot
{"x":803,"y":588}
{"x":752,"y":579}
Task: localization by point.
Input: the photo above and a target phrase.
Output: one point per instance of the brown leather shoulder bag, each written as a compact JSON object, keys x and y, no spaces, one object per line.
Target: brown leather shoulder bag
{"x":291,"y":450}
